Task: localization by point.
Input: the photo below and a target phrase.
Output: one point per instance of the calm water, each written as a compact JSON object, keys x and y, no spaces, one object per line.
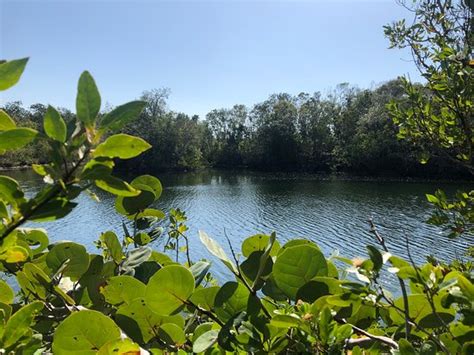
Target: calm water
{"x":332,"y":213}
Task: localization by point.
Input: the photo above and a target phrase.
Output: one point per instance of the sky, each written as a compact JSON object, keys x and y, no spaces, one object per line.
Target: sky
{"x":211,"y":54}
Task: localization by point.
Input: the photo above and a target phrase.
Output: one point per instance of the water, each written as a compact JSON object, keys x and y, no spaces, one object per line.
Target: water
{"x":332,"y":213}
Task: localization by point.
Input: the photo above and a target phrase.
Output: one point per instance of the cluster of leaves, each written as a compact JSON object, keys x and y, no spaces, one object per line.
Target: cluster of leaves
{"x":438,"y":116}
{"x":131,"y":299}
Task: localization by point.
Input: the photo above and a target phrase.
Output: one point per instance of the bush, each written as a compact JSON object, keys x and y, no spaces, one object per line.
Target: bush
{"x":283,"y":299}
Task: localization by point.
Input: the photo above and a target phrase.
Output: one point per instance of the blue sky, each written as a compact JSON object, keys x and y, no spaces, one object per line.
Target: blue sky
{"x":210,"y":54}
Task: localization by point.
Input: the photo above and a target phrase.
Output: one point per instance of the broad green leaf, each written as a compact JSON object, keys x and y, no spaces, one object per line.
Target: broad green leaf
{"x":405,"y":348}
{"x":172,"y":334}
{"x":114,"y":248}
{"x":10,"y":72}
{"x":215,"y":249}
{"x":121,"y":115}
{"x":375,"y":256}
{"x":14,"y":254}
{"x":88,"y":100}
{"x":54,"y":125}
{"x":19,"y":323}
{"x":55,"y":209}
{"x":231,"y":299}
{"x":10,"y":190}
{"x":120,"y":347}
{"x":169,"y":289}
{"x":151,"y":182}
{"x":135,"y":258}
{"x":295,"y":242}
{"x":286,"y":321}
{"x":34,"y":282}
{"x":258,"y":242}
{"x":6,"y":122}
{"x":97,"y":169}
{"x":150,"y":212}
{"x":116,"y":186}
{"x":205,"y":341}
{"x":84,"y":332}
{"x":199,"y":271}
{"x":296,"y":266}
{"x":6,"y":293}
{"x":123,"y":289}
{"x":205,"y":297}
{"x":135,"y":204}
{"x":16,"y":138}
{"x":75,"y":255}
{"x":37,"y":239}
{"x":140,"y":322}
{"x":318,"y":287}
{"x":121,"y":146}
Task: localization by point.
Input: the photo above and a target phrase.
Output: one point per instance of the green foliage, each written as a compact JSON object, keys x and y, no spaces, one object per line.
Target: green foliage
{"x":130,"y":298}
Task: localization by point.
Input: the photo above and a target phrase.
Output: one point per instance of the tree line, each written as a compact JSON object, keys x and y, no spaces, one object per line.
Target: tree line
{"x":348,"y":130}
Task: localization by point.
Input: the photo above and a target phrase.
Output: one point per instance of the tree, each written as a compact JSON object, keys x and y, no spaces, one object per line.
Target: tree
{"x":439,"y":116}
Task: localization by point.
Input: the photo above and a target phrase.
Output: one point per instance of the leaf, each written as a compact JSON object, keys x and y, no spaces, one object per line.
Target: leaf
{"x":375,"y":256}
{"x":215,"y":249}
{"x":116,"y":186}
{"x":120,"y":347}
{"x":6,"y":122}
{"x":121,"y":146}
{"x":258,"y":242}
{"x":113,"y":246}
{"x":16,"y":138}
{"x":172,"y":334}
{"x":140,"y":322}
{"x":231,"y":299}
{"x":34,"y":238}
{"x":135,"y":204}
{"x":123,"y":289}
{"x":199,"y":271}
{"x":84,"y":332}
{"x":10,"y":72}
{"x":152,"y":182}
{"x":74,"y":254}
{"x":10,"y":190}
{"x":121,"y":115}
{"x":19,"y":323}
{"x":6,"y":293}
{"x":205,"y":297}
{"x":54,"y":125}
{"x":405,"y":348}
{"x":205,"y":341}
{"x":87,"y":100}
{"x":296,"y":266}
{"x":169,"y":289}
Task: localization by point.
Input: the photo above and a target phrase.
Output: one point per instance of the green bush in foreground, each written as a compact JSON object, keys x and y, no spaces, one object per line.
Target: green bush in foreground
{"x":284,"y":298}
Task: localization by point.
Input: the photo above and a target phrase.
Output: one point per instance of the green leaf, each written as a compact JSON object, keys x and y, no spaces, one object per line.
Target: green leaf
{"x":74,"y":254}
{"x":16,"y":138}
{"x":116,"y":186}
{"x":134,"y":258}
{"x":205,"y":297}
{"x":405,"y":348}
{"x":199,"y":271}
{"x":10,"y":190}
{"x":296,"y":266}
{"x":172,"y":334}
{"x":135,"y":204}
{"x":152,"y":182}
{"x":258,"y":242}
{"x":84,"y":332}
{"x":121,"y":115}
{"x":169,"y":289}
{"x":232,"y":298}
{"x":19,"y":324}
{"x":113,"y":245}
{"x":34,"y":238}
{"x":88,"y":100}
{"x":10,"y":72}
{"x":140,"y":322}
{"x":6,"y":122}
{"x":120,"y":347}
{"x":123,"y":289}
{"x":54,"y":125}
{"x":205,"y":341}
{"x":121,"y":146}
{"x":97,"y":169}
{"x":215,"y":249}
{"x":6,"y":293}
{"x":375,"y":256}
